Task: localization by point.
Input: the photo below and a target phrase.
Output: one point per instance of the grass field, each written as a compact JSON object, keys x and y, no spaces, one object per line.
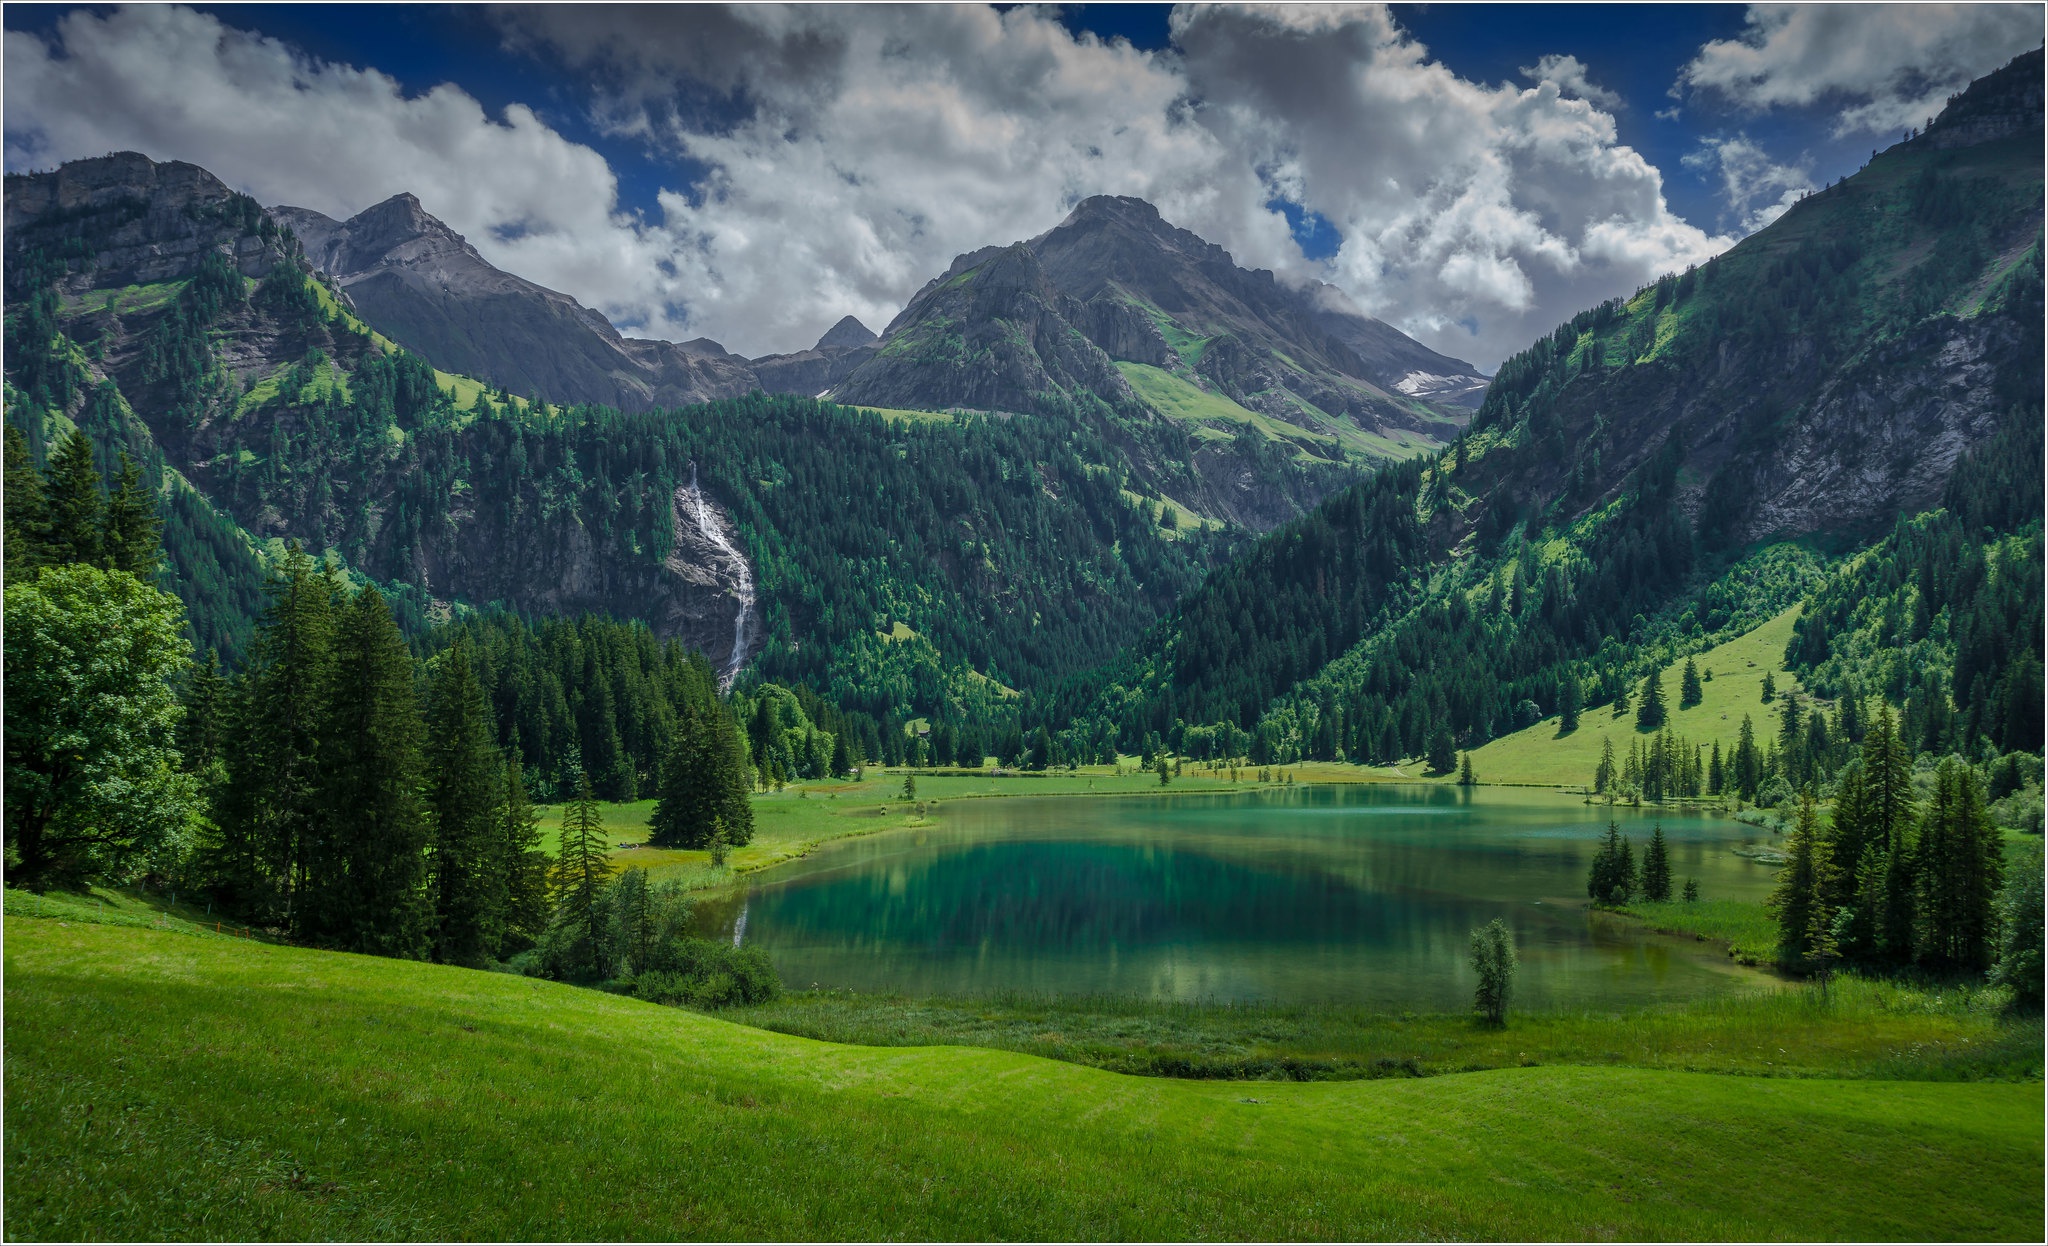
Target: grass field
{"x":165,"y":1086}
{"x":1539,"y":755}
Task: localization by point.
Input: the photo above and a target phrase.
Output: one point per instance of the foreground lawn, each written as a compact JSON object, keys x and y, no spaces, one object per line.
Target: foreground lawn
{"x":160,"y":1085}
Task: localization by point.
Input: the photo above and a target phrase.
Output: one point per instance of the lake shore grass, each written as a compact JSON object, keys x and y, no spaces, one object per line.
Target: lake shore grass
{"x":161,"y":1085}
{"x":1858,"y":1028}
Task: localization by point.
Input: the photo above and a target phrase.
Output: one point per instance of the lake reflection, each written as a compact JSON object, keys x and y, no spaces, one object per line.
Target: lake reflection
{"x":1343,"y":893}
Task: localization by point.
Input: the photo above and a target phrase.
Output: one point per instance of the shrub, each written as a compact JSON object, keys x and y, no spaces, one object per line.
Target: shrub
{"x":707,"y":973}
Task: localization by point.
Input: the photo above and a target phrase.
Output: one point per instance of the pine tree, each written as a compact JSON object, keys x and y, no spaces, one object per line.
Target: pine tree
{"x":1689,"y":691}
{"x":1603,"y":777}
{"x":132,"y":533}
{"x":469,"y":868}
{"x":1959,"y":874}
{"x":206,"y":701}
{"x":1465,"y":778}
{"x":270,"y":802}
{"x":1650,"y":710}
{"x":366,"y":876}
{"x":581,"y":873}
{"x":1884,"y":873}
{"x":1443,"y":756}
{"x":703,"y":780}
{"x":1717,"y":776}
{"x":27,"y":509}
{"x":1748,"y":767}
{"x":1656,"y":867}
{"x":1568,"y":707}
{"x":1770,"y":687}
{"x":1800,"y":898}
{"x":1611,"y":878}
{"x":77,"y":509}
{"x":1692,"y":890}
{"x":527,"y":867}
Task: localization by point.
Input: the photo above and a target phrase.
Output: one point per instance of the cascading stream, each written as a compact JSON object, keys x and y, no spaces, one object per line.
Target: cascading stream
{"x":690,"y":500}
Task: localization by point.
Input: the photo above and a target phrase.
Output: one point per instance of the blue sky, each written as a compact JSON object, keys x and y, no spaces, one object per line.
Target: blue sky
{"x":1303,"y":142}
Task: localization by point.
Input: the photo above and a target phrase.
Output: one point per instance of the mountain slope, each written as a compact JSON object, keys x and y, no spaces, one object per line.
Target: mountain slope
{"x":1009,"y":327}
{"x":422,"y":284}
{"x":1874,"y":353}
{"x":1010,"y":552}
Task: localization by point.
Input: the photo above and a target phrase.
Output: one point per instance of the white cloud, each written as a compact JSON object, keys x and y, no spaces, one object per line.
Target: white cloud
{"x":1880,"y":67}
{"x":1460,"y":204}
{"x":1755,"y":187}
{"x":1569,"y":73}
{"x":862,"y":148}
{"x":180,"y":85}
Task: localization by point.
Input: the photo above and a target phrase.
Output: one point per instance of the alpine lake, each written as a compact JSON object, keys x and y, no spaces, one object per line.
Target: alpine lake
{"x":1360,"y":894}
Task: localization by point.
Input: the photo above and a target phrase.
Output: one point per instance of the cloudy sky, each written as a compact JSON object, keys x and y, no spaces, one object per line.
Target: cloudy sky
{"x":1473,"y":174}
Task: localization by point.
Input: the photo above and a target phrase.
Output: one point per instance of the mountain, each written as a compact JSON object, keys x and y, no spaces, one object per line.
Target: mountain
{"x":423,"y":285}
{"x":1863,"y":376}
{"x":909,"y":566}
{"x":1117,"y":304}
{"x":844,"y":347}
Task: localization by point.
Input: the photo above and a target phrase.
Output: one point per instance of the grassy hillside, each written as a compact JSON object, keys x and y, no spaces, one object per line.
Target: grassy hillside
{"x":1539,"y":754}
{"x":160,"y":1085}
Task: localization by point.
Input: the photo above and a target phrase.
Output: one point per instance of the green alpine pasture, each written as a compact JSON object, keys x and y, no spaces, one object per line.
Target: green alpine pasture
{"x":1539,"y":755}
{"x":165,"y":1086}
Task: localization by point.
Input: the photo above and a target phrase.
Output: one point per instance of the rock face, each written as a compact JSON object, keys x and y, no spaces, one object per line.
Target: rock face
{"x":1861,"y":344}
{"x":844,"y":347}
{"x":125,"y":220}
{"x":715,"y":609}
{"x":424,"y":286}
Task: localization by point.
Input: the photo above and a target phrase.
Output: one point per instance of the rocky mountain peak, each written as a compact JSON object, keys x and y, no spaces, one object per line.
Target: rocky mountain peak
{"x":848,"y":334}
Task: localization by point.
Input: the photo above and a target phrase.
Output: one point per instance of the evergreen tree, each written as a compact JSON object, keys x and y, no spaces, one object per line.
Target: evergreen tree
{"x":469,"y":867}
{"x":1800,"y":898}
{"x":1747,"y":764}
{"x":527,"y":867}
{"x":1770,"y":687}
{"x":1692,"y":890}
{"x":1568,"y":707}
{"x":207,"y":697}
{"x":702,"y":781}
{"x":27,"y":509}
{"x":366,"y":873}
{"x":132,"y":535}
{"x":77,"y":511}
{"x":1717,"y":776}
{"x":1603,"y":777}
{"x":581,"y":873}
{"x":270,"y":802}
{"x":1959,"y":873}
{"x":1656,"y":867}
{"x":1465,"y":778}
{"x":1650,"y":710}
{"x":1884,"y":922}
{"x":1611,"y":879}
{"x":1443,"y":755}
{"x":842,"y":755}
{"x":1689,"y":690}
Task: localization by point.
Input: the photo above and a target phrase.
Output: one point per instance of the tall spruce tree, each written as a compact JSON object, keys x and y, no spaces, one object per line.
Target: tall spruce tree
{"x":703,"y":780}
{"x":27,"y":509}
{"x":1884,"y":924}
{"x":366,"y":881}
{"x":132,"y":533}
{"x":1657,"y":867}
{"x":1568,"y":706}
{"x":270,"y":803}
{"x":206,"y":700}
{"x":77,"y":510}
{"x":1959,"y":874}
{"x":469,"y":864}
{"x":1689,"y":691}
{"x":527,"y":865}
{"x":1650,"y":710}
{"x":581,"y":872}
{"x":1800,"y":898}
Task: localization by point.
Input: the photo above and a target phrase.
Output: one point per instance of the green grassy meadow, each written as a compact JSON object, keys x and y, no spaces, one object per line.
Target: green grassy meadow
{"x":165,"y":1086}
{"x":1539,"y":755}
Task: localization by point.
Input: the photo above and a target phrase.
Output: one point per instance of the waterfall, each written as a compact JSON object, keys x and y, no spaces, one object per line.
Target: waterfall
{"x":713,"y":532}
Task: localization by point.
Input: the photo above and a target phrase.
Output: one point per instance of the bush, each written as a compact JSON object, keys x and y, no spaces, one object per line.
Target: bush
{"x":1774,"y":793}
{"x":707,"y":973}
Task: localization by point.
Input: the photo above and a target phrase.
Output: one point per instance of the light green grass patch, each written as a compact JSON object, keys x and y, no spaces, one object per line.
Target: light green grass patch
{"x":126,"y":300}
{"x":161,"y":1086}
{"x":1539,"y":755}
